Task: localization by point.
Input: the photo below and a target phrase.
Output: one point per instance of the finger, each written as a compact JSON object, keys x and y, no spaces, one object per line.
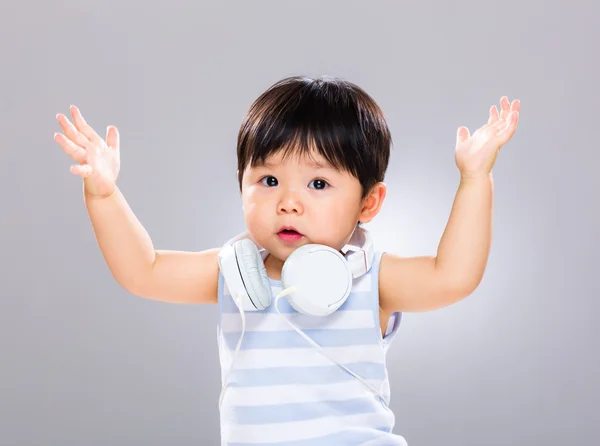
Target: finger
{"x":83,"y":171}
{"x":74,"y":134}
{"x":515,"y":106}
{"x":83,"y":126}
{"x":70,"y":148}
{"x":493,"y":115}
{"x":68,"y":127}
{"x":112,"y":137}
{"x":505,"y":105}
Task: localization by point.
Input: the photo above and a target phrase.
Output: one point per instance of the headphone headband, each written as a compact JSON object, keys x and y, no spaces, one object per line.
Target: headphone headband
{"x":361,"y":246}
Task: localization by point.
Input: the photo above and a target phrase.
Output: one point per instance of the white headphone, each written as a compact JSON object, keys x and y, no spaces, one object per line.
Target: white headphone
{"x":318,"y":277}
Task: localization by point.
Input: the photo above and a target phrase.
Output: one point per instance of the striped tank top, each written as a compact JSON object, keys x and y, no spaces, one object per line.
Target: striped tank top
{"x":283,"y":391}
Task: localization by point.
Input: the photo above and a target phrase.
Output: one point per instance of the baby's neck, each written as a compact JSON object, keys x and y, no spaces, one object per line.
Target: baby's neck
{"x":273,"y":265}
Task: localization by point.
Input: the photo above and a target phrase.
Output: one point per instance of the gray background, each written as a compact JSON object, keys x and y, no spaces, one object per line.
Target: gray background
{"x":85,"y":363}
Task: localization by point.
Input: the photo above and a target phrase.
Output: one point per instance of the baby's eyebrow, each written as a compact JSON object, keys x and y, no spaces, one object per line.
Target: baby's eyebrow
{"x":310,"y":163}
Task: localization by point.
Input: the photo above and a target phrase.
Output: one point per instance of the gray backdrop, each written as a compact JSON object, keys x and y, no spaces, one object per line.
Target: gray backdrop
{"x":85,"y":363}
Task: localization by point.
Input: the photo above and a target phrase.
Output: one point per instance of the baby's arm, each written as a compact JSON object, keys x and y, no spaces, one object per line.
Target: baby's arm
{"x":430,"y":282}
{"x":171,"y":276}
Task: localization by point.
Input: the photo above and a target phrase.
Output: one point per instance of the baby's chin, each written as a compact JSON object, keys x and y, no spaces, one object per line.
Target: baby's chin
{"x":279,"y":252}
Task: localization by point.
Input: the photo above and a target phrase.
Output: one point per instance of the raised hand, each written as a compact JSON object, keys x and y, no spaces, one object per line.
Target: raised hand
{"x":98,"y":160}
{"x":476,"y":154}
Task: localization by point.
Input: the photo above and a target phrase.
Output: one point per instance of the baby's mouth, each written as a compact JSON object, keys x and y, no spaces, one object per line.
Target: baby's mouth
{"x":289,"y":235}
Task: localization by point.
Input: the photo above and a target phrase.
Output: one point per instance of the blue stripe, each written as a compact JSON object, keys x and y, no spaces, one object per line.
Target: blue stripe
{"x":286,"y":413}
{"x":350,"y":436}
{"x":356,"y":301}
{"x":326,"y":374}
{"x":290,"y":339}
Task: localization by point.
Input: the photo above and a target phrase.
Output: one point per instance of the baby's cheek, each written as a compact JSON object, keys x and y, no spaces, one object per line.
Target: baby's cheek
{"x":257,"y":223}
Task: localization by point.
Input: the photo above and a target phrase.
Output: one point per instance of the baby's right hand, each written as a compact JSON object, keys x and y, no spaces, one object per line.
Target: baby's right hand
{"x":99,"y":161}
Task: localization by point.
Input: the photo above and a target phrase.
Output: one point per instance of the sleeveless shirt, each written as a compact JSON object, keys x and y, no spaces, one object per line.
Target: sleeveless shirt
{"x":283,"y":391}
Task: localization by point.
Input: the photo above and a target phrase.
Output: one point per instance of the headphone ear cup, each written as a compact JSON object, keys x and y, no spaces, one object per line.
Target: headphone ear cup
{"x":321,"y":277}
{"x":254,"y":273}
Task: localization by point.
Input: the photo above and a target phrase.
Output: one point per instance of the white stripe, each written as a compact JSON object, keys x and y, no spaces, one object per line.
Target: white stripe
{"x":232,"y":322}
{"x":289,"y":394}
{"x":302,"y":357}
{"x":301,"y":430}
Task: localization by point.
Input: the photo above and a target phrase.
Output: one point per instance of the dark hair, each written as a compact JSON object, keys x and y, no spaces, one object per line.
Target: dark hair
{"x":330,"y":115}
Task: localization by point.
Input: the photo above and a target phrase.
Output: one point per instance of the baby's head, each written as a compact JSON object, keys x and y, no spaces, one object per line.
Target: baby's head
{"x":312,"y":155}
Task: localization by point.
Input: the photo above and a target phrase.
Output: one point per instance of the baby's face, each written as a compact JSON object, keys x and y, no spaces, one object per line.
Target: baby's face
{"x":290,"y":202}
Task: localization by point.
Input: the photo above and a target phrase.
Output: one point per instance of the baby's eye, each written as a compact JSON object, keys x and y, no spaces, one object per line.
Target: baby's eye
{"x":269,"y":181}
{"x":319,"y":184}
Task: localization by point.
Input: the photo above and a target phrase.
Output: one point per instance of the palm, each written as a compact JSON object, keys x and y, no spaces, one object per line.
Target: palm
{"x":476,"y":154}
{"x":105,"y":166}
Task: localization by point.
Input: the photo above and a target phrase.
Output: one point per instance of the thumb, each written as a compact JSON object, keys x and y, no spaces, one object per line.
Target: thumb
{"x":112,"y":137}
{"x":462,"y":134}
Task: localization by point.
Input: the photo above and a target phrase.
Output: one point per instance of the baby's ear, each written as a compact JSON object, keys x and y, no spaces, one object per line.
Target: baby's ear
{"x":372,"y":202}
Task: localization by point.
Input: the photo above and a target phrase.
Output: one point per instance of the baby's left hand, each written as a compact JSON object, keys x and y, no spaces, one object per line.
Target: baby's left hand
{"x":476,"y":154}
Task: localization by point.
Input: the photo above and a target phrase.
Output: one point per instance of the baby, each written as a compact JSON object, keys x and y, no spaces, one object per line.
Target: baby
{"x":312,"y":155}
